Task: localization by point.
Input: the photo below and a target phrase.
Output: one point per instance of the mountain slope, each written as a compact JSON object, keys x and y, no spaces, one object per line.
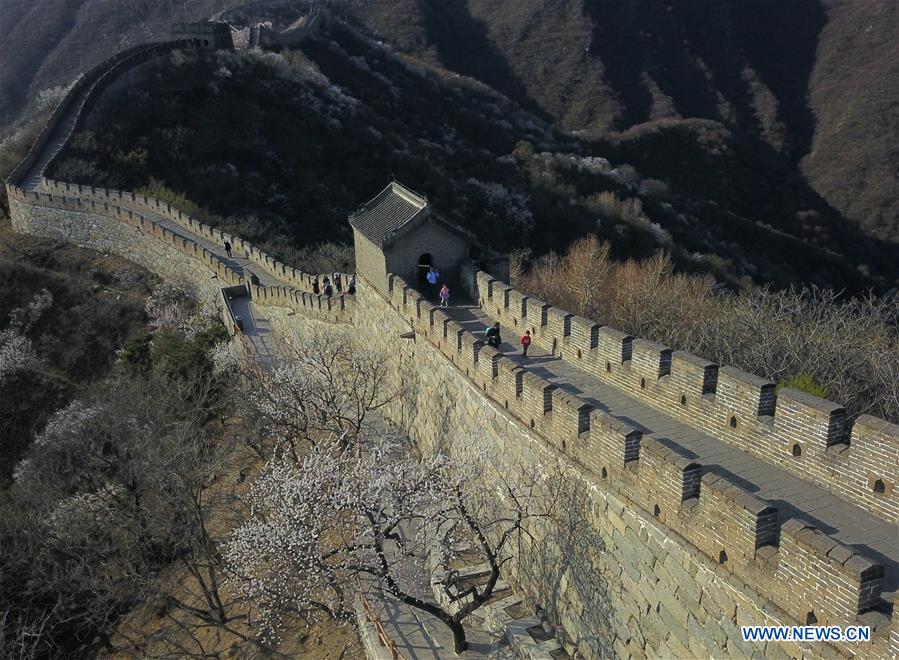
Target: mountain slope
{"x":854,"y":93}
{"x":311,"y":134}
{"x":806,"y":79}
{"x":51,"y":42}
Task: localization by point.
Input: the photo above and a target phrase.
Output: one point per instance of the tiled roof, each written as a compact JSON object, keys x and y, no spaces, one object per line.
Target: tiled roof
{"x":394,"y":207}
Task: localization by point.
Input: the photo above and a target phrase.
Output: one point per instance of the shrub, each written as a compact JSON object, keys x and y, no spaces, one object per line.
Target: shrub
{"x":804,"y":383}
{"x":158,"y":189}
{"x":809,"y":339}
{"x":523,"y":150}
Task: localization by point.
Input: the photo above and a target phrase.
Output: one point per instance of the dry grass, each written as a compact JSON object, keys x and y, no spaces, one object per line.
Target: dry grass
{"x":848,"y":347}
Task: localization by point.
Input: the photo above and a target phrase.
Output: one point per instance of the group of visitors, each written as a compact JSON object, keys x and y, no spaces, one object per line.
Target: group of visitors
{"x":494,"y":337}
{"x":328,"y":287}
{"x":432,"y":277}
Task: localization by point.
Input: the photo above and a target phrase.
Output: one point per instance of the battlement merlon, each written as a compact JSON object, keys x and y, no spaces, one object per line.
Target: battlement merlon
{"x":806,"y":435}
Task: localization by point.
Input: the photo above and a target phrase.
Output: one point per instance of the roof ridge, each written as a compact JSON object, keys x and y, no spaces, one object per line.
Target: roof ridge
{"x":408,"y":194}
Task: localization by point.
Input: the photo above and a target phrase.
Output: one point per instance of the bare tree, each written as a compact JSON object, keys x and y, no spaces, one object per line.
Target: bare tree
{"x":325,"y":388}
{"x":116,"y":490}
{"x":845,"y":349}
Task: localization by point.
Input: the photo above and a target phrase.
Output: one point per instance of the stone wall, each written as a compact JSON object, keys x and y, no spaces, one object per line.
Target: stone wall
{"x":99,"y":228}
{"x":649,"y":559}
{"x":653,"y":561}
{"x":297,"y":278}
{"x":370,"y":261}
{"x":108,"y":227}
{"x":75,"y":98}
{"x":447,"y":250}
{"x":806,"y":435}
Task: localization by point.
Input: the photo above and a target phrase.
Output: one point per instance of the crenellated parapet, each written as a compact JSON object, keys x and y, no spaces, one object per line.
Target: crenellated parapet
{"x":77,"y":226}
{"x":790,"y":567}
{"x":269,"y":264}
{"x":806,"y":435}
{"x":804,"y":572}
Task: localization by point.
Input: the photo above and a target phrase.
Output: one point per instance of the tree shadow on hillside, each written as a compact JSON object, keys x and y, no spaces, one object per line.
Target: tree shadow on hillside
{"x":464,"y":45}
{"x":616,"y":40}
{"x":697,"y":53}
{"x":780,"y":40}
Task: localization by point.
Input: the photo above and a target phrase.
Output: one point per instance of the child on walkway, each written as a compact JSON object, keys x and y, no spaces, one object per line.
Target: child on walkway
{"x":525,"y":342}
{"x":444,"y":296}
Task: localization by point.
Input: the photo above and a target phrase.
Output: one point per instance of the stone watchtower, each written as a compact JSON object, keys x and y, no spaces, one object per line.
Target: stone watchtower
{"x":398,"y":232}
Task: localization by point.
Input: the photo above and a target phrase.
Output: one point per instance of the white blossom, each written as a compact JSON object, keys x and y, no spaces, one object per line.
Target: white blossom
{"x":49,"y":98}
{"x":16,"y":354}
{"x":509,"y":206}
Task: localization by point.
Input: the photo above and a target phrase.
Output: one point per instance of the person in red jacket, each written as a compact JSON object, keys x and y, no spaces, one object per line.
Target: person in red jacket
{"x":525,"y":342}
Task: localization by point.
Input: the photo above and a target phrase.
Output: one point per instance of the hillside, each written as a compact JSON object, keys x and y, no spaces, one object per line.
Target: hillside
{"x":91,"y":304}
{"x":807,"y":87}
{"x":777,"y":114}
{"x":311,"y":134}
{"x":50,"y":43}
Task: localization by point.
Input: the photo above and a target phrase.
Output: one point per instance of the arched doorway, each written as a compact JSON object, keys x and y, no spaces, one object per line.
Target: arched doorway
{"x":425,"y":262}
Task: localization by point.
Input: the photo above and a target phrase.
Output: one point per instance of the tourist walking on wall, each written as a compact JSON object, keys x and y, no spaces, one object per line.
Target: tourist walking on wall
{"x":525,"y":342}
{"x":444,"y":295}
{"x":315,"y":289}
{"x":337,"y":283}
{"x":228,"y":249}
{"x":432,"y":282}
{"x":493,"y":337}
{"x":329,"y":290}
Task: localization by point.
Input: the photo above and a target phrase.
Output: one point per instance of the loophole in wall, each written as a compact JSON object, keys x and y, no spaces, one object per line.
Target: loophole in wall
{"x":656,"y":511}
{"x":732,"y":422}
{"x":796,"y":449}
{"x":642,"y":383}
{"x":609,"y":367}
{"x":564,"y":446}
{"x":532,"y":423}
{"x":579,"y":356}
{"x":604,"y":473}
{"x":810,"y":618}
{"x":722,"y":557}
{"x":879,"y":486}
{"x":683,"y":400}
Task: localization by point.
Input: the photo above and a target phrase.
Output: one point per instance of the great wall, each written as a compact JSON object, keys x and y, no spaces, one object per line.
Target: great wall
{"x":792,"y":519}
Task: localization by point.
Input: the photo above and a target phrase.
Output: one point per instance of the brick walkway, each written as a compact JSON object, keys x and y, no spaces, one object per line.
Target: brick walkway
{"x":791,"y":495}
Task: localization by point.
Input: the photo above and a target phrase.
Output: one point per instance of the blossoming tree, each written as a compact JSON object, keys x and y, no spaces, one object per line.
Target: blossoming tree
{"x":324,"y":526}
